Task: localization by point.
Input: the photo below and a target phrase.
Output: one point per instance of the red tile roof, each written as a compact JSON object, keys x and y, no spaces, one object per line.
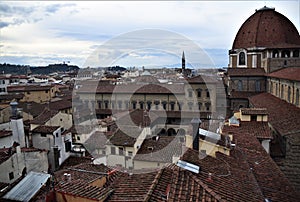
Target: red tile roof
{"x":60,"y":105}
{"x":248,"y":174}
{"x":81,"y":177}
{"x":5,"y":154}
{"x":254,"y":111}
{"x":95,"y":142}
{"x":134,"y":88}
{"x":242,"y":94}
{"x":45,"y":129}
{"x":283,"y":116}
{"x":33,"y":108}
{"x":159,"y":150}
{"x":201,"y":79}
{"x":125,"y":136}
{"x":9,"y":97}
{"x":260,"y":130}
{"x":28,"y":88}
{"x":45,"y":116}
{"x":273,"y":183}
{"x":132,"y":187}
{"x":290,"y":73}
{"x":245,"y":72}
{"x":5,"y":133}
{"x":267,"y":28}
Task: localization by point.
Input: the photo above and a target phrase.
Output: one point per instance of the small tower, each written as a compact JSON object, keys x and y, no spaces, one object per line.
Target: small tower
{"x":17,"y":124}
{"x":183,"y":62}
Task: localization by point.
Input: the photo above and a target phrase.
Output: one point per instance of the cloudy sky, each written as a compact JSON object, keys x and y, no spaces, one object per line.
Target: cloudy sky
{"x":127,"y":33}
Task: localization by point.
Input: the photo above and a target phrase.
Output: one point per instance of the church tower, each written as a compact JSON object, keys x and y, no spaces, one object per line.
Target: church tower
{"x":183,"y":62}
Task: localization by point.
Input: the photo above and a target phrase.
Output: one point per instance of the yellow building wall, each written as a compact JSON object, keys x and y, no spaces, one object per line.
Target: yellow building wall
{"x":41,"y":96}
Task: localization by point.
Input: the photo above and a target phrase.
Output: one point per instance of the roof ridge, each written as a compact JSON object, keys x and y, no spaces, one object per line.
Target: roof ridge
{"x":205,"y":187}
{"x":153,"y":185}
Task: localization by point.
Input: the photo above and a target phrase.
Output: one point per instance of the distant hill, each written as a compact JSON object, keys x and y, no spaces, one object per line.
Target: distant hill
{"x":26,"y":69}
{"x":116,"y":69}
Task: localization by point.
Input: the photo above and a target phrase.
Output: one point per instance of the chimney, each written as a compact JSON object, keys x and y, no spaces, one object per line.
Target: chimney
{"x":196,"y":124}
{"x":17,"y":126}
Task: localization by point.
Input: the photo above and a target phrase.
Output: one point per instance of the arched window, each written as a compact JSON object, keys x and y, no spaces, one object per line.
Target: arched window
{"x":296,"y":53}
{"x":285,"y":54}
{"x":297,"y":97}
{"x":242,"y":58}
{"x":240,"y":85}
{"x":281,"y":91}
{"x":289,"y":94}
{"x":271,"y":87}
{"x":257,"y":86}
{"x":275,"y":54}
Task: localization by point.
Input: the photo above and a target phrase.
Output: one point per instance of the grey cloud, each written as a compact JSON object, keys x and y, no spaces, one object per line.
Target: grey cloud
{"x":3,"y":24}
{"x":7,"y":10}
{"x":55,"y":7}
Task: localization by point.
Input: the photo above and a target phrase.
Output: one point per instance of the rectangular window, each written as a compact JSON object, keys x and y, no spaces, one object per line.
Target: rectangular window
{"x":68,"y":146}
{"x":11,"y":175}
{"x":199,"y":92}
{"x":113,"y":150}
{"x":43,"y":135}
{"x":78,"y":138}
{"x":253,"y":117}
{"x":172,"y":106}
{"x":103,"y":152}
{"x":130,"y":153}
{"x":121,"y":151}
{"x":190,"y":93}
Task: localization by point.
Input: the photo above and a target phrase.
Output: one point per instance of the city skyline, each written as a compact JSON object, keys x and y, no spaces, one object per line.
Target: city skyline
{"x":39,"y":33}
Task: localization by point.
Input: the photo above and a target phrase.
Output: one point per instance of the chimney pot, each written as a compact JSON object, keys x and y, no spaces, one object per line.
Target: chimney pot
{"x":196,"y":124}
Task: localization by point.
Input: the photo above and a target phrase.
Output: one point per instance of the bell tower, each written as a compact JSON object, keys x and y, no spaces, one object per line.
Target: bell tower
{"x":183,"y":62}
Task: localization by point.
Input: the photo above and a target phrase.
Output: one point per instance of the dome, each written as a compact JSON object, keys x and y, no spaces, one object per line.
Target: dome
{"x":267,"y":28}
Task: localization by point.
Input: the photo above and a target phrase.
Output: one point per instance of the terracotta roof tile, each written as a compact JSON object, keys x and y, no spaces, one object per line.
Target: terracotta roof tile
{"x":80,"y":182}
{"x":60,"y":105}
{"x":267,"y":28}
{"x":259,"y":130}
{"x":5,"y":154}
{"x":283,"y":116}
{"x":33,"y":108}
{"x":132,"y":187}
{"x":159,"y":150}
{"x":5,"y":133}
{"x":245,"y":72}
{"x":134,"y":88}
{"x":242,"y":94}
{"x":201,"y":79}
{"x":126,"y":136}
{"x":45,"y":129}
{"x":254,"y":111}
{"x":45,"y":116}
{"x":9,"y":97}
{"x":26,"y":88}
{"x":291,"y":73}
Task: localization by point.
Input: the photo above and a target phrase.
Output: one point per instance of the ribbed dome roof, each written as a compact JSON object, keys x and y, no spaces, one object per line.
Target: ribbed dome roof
{"x":267,"y":28}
